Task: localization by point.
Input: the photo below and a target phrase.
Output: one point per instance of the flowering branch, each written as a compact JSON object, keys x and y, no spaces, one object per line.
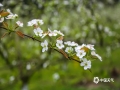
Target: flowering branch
{"x":62,"y":52}
{"x":82,"y":54}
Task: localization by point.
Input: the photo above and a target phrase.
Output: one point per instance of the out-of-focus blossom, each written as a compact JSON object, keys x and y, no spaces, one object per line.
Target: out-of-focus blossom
{"x":56,"y":76}
{"x":96,"y":55}
{"x":91,"y":47}
{"x":28,"y":66}
{"x":58,"y":32}
{"x":12,"y":78}
{"x":12,"y":16}
{"x":8,"y":10}
{"x":1,"y":5}
{"x":45,"y":64}
{"x":35,"y":22}
{"x":69,"y":43}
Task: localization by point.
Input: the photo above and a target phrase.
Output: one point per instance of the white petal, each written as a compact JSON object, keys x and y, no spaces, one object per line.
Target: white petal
{"x":85,"y":68}
{"x":43,"y":50}
{"x":82,"y":63}
{"x":1,"y":19}
{"x":46,"y":48}
{"x":42,"y":44}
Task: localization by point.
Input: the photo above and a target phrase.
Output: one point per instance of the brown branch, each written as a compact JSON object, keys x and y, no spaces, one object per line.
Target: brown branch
{"x":22,"y":33}
{"x":69,"y":58}
{"x":64,"y":54}
{"x":31,"y":37}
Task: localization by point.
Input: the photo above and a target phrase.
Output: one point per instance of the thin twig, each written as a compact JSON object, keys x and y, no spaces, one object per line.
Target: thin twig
{"x":22,"y":33}
{"x":69,"y":58}
{"x":32,"y":37}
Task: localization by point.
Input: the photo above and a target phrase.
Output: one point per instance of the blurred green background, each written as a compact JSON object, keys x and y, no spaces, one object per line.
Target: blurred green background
{"x":24,"y":67}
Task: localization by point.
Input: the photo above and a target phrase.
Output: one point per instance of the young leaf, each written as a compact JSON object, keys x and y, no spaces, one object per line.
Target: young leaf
{"x":4,"y":14}
{"x":85,"y":49}
{"x":60,"y":38}
{"x":20,"y":34}
{"x":5,"y":25}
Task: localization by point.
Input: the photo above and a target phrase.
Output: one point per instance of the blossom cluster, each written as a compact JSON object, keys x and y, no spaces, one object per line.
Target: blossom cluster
{"x":9,"y":16}
{"x":84,"y":53}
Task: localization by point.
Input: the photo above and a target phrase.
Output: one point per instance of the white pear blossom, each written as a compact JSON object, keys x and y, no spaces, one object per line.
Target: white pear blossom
{"x":69,"y":43}
{"x":11,"y":15}
{"x":35,"y":22}
{"x":20,"y":24}
{"x":45,"y":46}
{"x":69,"y":49}
{"x":59,"y":44}
{"x":83,"y":45}
{"x":86,"y":63}
{"x":98,"y":56}
{"x":91,"y":47}
{"x":38,"y":31}
{"x":8,"y":10}
{"x":51,"y":33}
{"x":30,"y":23}
{"x":58,"y":32}
{"x":77,"y":48}
{"x":54,"y":33}
{"x":81,"y":53}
